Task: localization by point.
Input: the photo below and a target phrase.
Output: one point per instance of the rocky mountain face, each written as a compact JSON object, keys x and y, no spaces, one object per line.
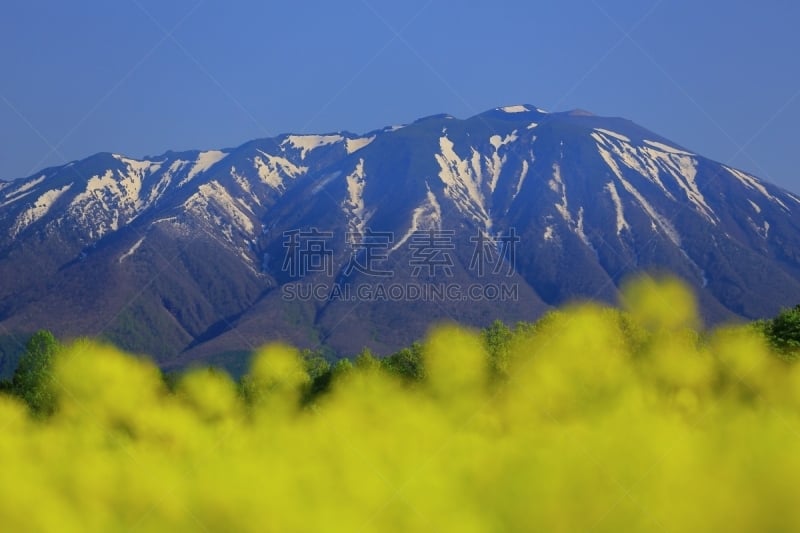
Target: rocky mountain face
{"x":349,"y":241}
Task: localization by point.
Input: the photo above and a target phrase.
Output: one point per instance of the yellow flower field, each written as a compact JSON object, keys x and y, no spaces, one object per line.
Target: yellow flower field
{"x":594,"y":429}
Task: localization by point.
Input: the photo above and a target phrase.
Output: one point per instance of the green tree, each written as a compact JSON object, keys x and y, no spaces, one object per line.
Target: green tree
{"x":497,"y":340}
{"x":319,"y":372}
{"x":315,"y":362}
{"x":407,"y":363}
{"x":783,"y":332}
{"x":366,"y":361}
{"x":32,"y":379}
{"x":341,"y":368}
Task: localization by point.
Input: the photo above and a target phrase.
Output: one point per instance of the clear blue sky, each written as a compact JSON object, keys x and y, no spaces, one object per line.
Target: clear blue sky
{"x":144,"y":76}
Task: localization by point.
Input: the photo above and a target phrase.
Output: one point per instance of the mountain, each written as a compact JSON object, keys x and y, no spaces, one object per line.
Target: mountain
{"x":347,"y":241}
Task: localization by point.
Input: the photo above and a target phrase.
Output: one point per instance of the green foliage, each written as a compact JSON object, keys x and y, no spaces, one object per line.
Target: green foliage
{"x":783,"y":332}
{"x":316,"y":364}
{"x":319,"y":372}
{"x":341,"y":368}
{"x":366,"y":361}
{"x":497,"y":341}
{"x":407,"y":363}
{"x":32,"y":379}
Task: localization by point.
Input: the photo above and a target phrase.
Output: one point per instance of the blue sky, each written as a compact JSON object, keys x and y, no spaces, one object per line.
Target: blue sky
{"x":141,"y":76}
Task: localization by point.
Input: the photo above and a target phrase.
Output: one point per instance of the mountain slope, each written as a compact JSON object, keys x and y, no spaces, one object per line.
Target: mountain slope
{"x":189,"y":255}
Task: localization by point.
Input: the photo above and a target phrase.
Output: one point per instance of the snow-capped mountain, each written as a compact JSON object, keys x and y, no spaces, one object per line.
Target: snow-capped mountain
{"x":187,"y":255}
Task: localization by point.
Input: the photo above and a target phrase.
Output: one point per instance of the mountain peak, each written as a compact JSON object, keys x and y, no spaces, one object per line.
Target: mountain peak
{"x":437,"y":116}
{"x":520,"y":108}
{"x":580,"y":113}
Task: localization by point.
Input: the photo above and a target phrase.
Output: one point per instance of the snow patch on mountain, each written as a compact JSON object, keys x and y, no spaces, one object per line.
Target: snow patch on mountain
{"x":354,"y":145}
{"x":158,"y":190}
{"x":308,"y":143}
{"x":140,"y":168}
{"x":762,"y":230}
{"x":615,"y":135}
{"x":246,"y":187}
{"x":204,"y":161}
{"x":21,"y":192}
{"x":622,"y":224}
{"x":162,"y":220}
{"x":131,"y":251}
{"x":515,"y":109}
{"x":39,"y":209}
{"x":521,"y":181}
{"x":666,"y":148}
{"x":755,"y":206}
{"x":752,"y":183}
{"x":581,"y":232}
{"x":273,"y":170}
{"x":498,"y":141}
{"x":632,"y":158}
{"x":428,"y":216}
{"x":657,"y":221}
{"x":16,"y":198}
{"x":683,"y":170}
{"x":325,"y":181}
{"x":177,"y":166}
{"x":24,"y":188}
{"x":462,"y":179}
{"x":132,"y":181}
{"x":656,"y":161}
{"x":354,"y":207}
{"x":558,"y":186}
{"x":495,"y":162}
{"x":214,"y":203}
{"x":130,"y":187}
{"x":109,"y":201}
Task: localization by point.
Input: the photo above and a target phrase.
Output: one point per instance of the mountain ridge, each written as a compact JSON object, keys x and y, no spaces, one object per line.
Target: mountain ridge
{"x":182,"y":255}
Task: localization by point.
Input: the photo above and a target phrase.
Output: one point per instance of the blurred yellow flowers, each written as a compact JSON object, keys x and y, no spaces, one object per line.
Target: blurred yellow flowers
{"x":602,"y":422}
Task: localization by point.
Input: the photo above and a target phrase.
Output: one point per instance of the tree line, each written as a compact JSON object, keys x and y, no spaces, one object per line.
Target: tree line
{"x":30,"y":381}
